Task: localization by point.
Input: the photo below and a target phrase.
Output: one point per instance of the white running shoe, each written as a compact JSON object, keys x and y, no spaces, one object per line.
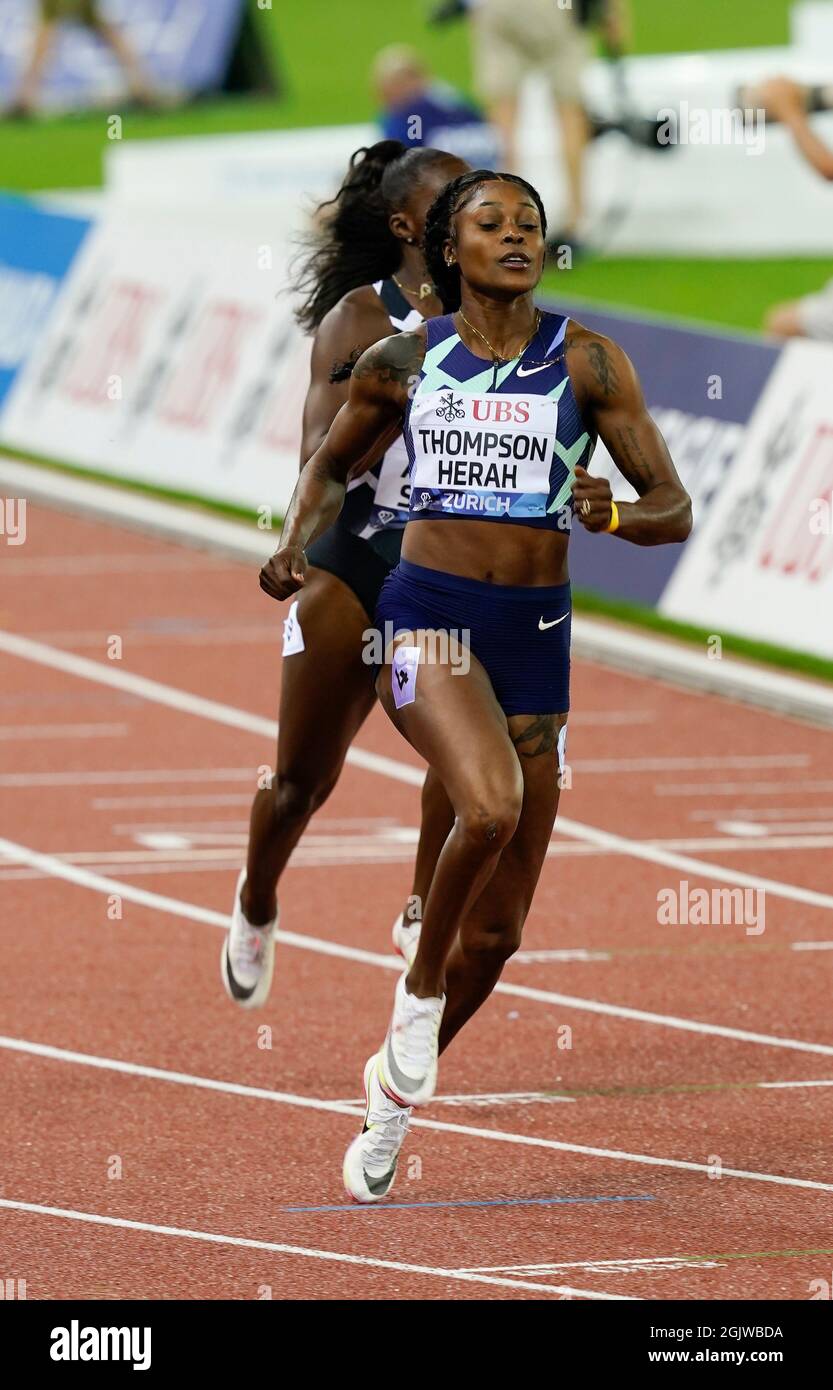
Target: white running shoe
{"x":248,"y":956}
{"x":370,"y":1162}
{"x":405,"y":936}
{"x":408,"y":1060}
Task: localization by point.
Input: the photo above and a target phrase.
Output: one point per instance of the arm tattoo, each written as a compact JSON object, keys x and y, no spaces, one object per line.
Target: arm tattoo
{"x":632,"y":461}
{"x":342,"y":371}
{"x":393,"y":361}
{"x":541,"y":733}
{"x":603,"y":368}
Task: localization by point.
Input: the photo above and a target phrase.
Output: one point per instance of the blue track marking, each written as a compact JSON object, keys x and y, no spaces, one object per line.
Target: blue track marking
{"x":496,"y":1202}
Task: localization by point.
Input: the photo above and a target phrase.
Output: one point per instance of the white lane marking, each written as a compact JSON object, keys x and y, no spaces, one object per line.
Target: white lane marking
{"x":776,"y":830}
{"x":801,"y":785}
{"x":765,"y":813}
{"x":787,"y":1085}
{"x":171,"y":803}
{"x":130,"y":893}
{"x":574,"y":953}
{"x":195,"y":635}
{"x":339,"y":1107}
{"x":374,"y":762}
{"x":728,"y":843}
{"x":700,"y":867}
{"x":742,"y":828}
{"x":617,"y":717}
{"x":219,"y":851}
{"x":278,"y":1248}
{"x":16,"y":732}
{"x":672,"y":764}
{"x":811,"y":946}
{"x":674,"y":1263}
{"x":345,"y":851}
{"x":115,"y":777}
{"x":484,"y":1099}
{"x":117,"y":563}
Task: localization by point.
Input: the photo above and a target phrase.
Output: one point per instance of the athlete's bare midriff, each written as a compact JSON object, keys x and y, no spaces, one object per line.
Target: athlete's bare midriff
{"x":495,"y":552}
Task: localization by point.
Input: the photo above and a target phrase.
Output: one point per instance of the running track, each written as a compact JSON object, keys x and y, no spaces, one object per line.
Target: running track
{"x":158,"y":1144}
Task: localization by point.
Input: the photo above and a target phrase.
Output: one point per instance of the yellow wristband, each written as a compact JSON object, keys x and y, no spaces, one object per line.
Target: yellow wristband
{"x":614,"y":518}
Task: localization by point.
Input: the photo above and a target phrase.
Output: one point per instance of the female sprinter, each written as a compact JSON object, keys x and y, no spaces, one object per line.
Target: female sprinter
{"x":365,"y":277}
{"x":501,"y":405}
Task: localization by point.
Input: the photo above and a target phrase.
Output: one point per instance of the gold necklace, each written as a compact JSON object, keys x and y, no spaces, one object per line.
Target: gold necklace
{"x":423,"y":292}
{"x":498,"y":357}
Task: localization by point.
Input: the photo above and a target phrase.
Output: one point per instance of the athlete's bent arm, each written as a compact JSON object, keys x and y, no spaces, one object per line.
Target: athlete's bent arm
{"x":612,"y":400}
{"x":371,"y":418}
{"x":344,"y":334}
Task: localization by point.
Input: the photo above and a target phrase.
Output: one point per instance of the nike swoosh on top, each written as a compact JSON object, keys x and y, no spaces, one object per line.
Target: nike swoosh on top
{"x":532,"y":370}
{"x":543,"y":626}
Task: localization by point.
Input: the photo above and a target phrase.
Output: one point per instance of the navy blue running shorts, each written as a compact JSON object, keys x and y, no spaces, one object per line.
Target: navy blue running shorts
{"x":520,"y":635}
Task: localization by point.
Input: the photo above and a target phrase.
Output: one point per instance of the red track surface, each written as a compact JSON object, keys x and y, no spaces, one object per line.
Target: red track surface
{"x":87,"y":770}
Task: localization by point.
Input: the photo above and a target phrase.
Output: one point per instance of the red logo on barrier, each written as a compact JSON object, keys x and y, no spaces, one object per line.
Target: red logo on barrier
{"x":112,"y":343}
{"x":208,"y":367}
{"x":793,"y":544}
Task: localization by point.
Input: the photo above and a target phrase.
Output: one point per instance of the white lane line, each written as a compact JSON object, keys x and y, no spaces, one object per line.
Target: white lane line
{"x":764,"y":813}
{"x":787,"y":1085}
{"x":146,"y":689}
{"x":171,"y":803}
{"x":801,"y":785}
{"x":130,"y":893}
{"x":485,"y":1099}
{"x":568,"y":953}
{"x":811,"y":946}
{"x":681,"y":764}
{"x":278,"y":1248}
{"x":116,"y":777}
{"x":340,"y":1108}
{"x":218,"y":852}
{"x":674,"y":1263}
{"x":776,"y":830}
{"x":18,"y":566}
{"x":619,"y":717}
{"x":194,"y":634}
{"x":699,"y":867}
{"x":16,"y":732}
{"x":375,"y":762}
{"x":730,"y":844}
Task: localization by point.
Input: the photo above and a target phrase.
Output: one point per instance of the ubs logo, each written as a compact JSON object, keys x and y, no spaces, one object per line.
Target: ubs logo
{"x":449,"y":409}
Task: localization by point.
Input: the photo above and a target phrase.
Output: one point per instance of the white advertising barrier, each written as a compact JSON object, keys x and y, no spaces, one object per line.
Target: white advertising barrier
{"x":171,"y":358}
{"x":762,"y":563}
{"x":712,"y":193}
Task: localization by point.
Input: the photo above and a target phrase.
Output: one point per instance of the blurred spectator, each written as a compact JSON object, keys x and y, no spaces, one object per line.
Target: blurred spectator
{"x":86,"y":12}
{"x":515,"y":37}
{"x":418,"y":110}
{"x":791,"y":104}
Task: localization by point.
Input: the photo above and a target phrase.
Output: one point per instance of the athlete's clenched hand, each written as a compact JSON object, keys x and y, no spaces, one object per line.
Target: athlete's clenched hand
{"x":285,"y":573}
{"x":592,"y":498}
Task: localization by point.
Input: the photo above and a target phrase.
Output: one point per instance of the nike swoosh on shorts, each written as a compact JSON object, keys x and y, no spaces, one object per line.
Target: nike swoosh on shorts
{"x":543,"y":626}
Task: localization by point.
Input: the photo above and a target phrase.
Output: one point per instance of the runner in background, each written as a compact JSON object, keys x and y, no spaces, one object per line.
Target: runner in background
{"x":364,"y":277}
{"x":51,"y":13}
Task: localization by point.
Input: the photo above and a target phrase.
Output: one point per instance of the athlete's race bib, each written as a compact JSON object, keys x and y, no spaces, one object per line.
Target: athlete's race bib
{"x":393,"y":489}
{"x":485,"y":455}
